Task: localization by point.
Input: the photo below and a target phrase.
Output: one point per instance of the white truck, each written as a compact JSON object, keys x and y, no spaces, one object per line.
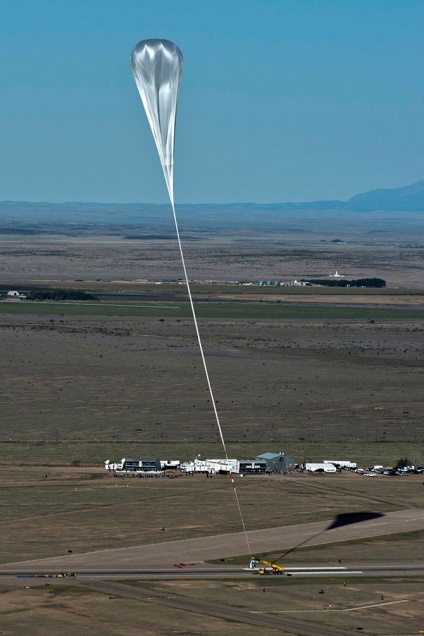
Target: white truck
{"x":340,"y":463}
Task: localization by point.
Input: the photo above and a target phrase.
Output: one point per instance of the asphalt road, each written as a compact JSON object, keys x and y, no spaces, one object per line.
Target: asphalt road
{"x":23,"y":576}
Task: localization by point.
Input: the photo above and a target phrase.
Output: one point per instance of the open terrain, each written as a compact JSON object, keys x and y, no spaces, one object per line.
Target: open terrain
{"x":75,"y":610}
{"x":287,"y":364}
{"x":234,"y":256}
{"x":312,"y":604}
{"x":276,"y":381}
{"x":341,"y":606}
{"x":319,"y":373}
{"x":382,"y":606}
{"x":49,"y":511}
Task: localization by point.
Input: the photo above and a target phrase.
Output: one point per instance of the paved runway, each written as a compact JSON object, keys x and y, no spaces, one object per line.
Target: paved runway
{"x":164,"y":555}
{"x":15,"y":577}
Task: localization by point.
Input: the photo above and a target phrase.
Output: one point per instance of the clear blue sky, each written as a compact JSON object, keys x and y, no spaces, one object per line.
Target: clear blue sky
{"x":281,"y":99}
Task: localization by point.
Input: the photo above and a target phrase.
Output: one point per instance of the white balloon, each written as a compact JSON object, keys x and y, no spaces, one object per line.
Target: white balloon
{"x":157,"y":66}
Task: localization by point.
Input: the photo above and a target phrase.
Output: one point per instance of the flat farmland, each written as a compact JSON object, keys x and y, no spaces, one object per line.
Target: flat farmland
{"x":228,"y":310}
{"x":277,"y":381}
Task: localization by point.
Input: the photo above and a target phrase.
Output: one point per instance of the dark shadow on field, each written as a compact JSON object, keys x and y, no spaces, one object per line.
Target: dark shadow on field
{"x":339,"y":521}
{"x":347,"y":518}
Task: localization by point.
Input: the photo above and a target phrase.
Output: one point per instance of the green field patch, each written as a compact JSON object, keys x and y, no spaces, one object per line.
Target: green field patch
{"x":212,"y":310}
{"x":228,"y":288}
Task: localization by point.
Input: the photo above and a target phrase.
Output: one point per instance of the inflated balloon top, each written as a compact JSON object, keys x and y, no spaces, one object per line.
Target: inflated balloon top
{"x":157,"y":67}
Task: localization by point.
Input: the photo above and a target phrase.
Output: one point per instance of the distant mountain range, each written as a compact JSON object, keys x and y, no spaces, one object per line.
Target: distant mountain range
{"x":395,"y":204}
{"x":409,"y":198}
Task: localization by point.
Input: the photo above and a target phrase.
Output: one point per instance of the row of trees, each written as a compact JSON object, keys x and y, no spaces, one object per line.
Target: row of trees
{"x":359,"y":282}
{"x":60,"y":294}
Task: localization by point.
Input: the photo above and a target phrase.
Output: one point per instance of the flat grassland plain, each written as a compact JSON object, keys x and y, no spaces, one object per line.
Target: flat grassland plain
{"x":319,"y":373}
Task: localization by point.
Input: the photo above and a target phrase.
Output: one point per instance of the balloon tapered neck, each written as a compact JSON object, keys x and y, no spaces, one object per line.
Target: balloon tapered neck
{"x":168,"y":171}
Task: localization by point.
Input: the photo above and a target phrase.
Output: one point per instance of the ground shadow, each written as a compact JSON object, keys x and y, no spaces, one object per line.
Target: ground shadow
{"x":343,"y":519}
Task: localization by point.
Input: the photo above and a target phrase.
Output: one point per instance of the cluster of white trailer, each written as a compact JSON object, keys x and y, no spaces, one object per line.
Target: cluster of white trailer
{"x":196,"y":466}
{"x":211,"y":466}
{"x":140,"y":466}
{"x":214,"y":466}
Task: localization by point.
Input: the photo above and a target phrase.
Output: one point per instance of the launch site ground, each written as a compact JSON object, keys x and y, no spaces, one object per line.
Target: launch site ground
{"x":364,"y":589}
{"x":51,"y":510}
{"x":317,"y":373}
{"x":371,"y":571}
{"x":376,"y":581}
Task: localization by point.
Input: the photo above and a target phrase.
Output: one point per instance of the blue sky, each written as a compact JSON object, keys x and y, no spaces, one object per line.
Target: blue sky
{"x":281,"y":100}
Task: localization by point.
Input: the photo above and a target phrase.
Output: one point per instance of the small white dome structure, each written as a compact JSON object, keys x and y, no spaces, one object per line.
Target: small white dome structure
{"x":15,"y":294}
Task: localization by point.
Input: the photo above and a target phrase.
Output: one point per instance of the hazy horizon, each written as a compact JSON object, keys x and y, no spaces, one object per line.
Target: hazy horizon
{"x":406,"y":197}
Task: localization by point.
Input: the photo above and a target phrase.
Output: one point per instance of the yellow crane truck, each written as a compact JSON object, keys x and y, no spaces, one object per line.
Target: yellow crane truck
{"x":272,"y":568}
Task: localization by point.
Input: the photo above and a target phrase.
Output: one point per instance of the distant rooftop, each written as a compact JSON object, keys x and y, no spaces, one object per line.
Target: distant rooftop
{"x":269,"y":455}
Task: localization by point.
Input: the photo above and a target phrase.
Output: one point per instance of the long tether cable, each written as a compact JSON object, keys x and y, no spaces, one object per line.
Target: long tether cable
{"x":157,"y":65}
{"x":205,"y":366}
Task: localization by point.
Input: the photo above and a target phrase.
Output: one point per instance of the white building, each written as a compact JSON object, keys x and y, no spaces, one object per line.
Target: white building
{"x":320,"y":468}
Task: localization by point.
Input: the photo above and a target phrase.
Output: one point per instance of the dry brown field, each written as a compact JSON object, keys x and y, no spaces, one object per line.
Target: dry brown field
{"x":49,"y":511}
{"x":277,"y":382}
{"x":384,"y":606}
{"x":80,"y":388}
{"x":381,"y":606}
{"x":76,"y":610}
{"x":210,"y":255}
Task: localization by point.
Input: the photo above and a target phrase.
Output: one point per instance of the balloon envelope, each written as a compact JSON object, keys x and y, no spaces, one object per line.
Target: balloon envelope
{"x":157,"y":67}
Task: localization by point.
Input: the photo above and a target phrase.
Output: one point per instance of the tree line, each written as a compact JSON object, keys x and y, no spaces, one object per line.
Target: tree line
{"x":60,"y":294}
{"x":359,"y":282}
